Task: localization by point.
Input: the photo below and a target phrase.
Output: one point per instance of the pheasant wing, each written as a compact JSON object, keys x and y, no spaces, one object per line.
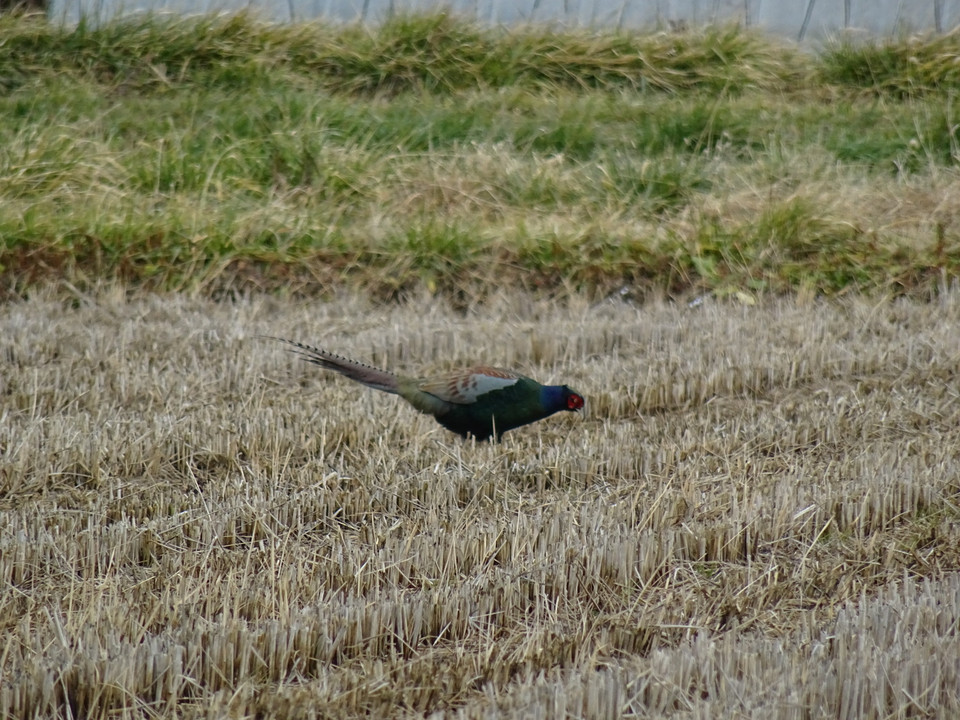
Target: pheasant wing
{"x":467,"y":386}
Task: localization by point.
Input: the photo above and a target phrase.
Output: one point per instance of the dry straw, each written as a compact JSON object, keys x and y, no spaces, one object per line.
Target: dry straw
{"x":757,"y":517}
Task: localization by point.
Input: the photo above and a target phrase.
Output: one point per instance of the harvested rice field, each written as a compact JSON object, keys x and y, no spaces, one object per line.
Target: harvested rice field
{"x":757,"y":515}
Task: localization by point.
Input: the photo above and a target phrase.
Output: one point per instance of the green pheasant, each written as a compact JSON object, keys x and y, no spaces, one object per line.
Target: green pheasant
{"x":480,"y":401}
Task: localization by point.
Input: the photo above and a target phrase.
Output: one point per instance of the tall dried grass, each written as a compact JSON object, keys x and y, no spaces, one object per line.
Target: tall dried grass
{"x":757,"y":517}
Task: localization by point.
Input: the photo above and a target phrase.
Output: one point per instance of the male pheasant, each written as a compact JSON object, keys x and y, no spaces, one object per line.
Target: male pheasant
{"x":480,"y":401}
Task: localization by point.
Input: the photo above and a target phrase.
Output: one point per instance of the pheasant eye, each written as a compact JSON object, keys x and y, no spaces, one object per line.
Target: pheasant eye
{"x":574,"y":402}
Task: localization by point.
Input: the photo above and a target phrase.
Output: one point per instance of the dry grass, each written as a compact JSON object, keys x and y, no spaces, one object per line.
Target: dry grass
{"x":757,"y":517}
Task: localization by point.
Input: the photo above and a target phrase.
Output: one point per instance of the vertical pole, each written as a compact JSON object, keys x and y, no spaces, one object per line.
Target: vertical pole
{"x":806,"y":20}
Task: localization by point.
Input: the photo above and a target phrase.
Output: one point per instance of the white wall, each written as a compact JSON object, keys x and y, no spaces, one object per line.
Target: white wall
{"x":809,"y":19}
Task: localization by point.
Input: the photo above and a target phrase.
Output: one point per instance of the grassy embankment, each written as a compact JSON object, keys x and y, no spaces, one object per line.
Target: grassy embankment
{"x":202,"y":154}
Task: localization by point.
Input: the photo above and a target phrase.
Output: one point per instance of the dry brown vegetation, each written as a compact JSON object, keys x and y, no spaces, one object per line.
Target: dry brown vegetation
{"x":757,"y":517}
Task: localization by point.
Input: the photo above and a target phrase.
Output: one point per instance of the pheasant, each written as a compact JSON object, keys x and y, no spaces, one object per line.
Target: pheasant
{"x":480,"y":401}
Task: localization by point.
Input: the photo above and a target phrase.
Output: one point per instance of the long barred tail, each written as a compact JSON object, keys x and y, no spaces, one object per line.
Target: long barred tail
{"x":369,"y":376}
